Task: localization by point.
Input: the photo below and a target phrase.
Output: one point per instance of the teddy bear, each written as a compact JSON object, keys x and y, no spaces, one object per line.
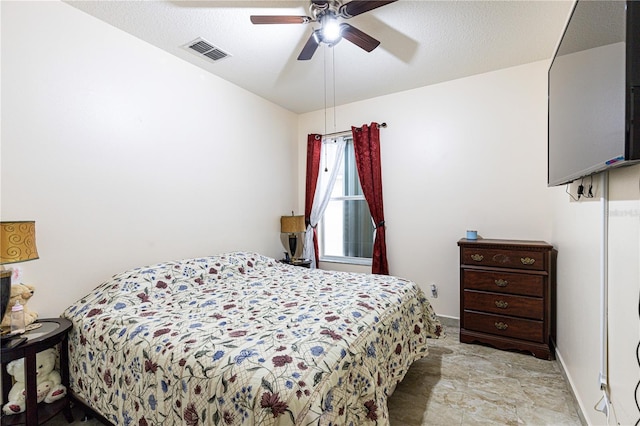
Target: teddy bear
{"x":20,"y":293}
{"x":49,"y":383}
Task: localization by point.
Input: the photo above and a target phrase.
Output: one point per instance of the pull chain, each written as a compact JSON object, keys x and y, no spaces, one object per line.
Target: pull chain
{"x":324,"y":56}
{"x":333,"y":81}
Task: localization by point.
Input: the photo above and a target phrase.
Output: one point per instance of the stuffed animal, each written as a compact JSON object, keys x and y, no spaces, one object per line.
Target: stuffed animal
{"x":49,"y":383}
{"x":20,"y":293}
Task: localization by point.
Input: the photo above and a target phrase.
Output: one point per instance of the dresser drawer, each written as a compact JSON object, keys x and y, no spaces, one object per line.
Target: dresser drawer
{"x":504,"y":304}
{"x":504,"y":282}
{"x":504,"y":258}
{"x":504,"y":326}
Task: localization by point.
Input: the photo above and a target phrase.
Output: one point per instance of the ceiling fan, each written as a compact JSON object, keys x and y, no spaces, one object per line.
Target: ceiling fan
{"x":329,"y":13}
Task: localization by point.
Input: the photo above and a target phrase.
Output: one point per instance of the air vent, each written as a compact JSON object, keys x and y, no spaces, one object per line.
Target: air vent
{"x":202,"y":47}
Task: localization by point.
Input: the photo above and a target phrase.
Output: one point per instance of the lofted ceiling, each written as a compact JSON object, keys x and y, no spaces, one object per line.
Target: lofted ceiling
{"x":422,"y":43}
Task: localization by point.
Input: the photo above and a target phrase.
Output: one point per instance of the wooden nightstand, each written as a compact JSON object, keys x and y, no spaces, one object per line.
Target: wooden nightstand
{"x":52,"y":332}
{"x":507,"y":291}
{"x":305,"y":263}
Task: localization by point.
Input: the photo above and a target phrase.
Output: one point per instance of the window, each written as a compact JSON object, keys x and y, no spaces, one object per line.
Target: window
{"x":346,"y":229}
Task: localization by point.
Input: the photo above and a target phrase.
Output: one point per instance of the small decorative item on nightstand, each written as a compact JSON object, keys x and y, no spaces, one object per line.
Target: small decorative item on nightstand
{"x":17,"y":319}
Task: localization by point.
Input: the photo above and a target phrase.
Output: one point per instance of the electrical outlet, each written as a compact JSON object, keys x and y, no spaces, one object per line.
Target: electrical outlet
{"x":434,"y":291}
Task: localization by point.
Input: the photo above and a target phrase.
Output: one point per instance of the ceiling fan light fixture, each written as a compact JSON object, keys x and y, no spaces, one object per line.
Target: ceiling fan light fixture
{"x":328,"y":13}
{"x":331,"y":30}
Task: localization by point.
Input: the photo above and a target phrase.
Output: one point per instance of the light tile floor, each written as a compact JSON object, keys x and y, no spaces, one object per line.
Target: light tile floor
{"x":461,"y":384}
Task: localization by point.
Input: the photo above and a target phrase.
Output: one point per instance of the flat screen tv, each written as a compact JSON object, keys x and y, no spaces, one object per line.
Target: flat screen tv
{"x":594,"y":91}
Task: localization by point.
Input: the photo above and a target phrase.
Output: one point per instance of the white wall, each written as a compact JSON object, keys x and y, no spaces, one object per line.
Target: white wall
{"x":624,"y":288}
{"x":125,"y":155}
{"x":465,"y":154}
{"x":577,"y":234}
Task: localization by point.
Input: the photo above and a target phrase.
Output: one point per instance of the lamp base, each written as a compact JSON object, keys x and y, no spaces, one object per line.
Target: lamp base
{"x":292,"y":243}
{"x":5,"y":290}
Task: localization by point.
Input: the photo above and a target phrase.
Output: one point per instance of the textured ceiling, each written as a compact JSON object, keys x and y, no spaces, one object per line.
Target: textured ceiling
{"x":422,"y":43}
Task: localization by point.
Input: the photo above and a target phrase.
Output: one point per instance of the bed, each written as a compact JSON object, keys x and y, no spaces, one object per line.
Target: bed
{"x":240,"y":338}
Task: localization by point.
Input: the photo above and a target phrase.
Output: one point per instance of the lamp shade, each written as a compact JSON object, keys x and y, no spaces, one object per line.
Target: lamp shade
{"x":292,"y":224}
{"x":17,"y":241}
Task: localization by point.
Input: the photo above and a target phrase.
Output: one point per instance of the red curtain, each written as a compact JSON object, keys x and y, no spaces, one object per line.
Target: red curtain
{"x":314,"y":146}
{"x":366,"y":143}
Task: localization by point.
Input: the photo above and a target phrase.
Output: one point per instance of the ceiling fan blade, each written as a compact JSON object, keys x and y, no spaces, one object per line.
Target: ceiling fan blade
{"x":309,"y":49}
{"x":356,"y":7}
{"x":359,"y":38}
{"x":274,"y":19}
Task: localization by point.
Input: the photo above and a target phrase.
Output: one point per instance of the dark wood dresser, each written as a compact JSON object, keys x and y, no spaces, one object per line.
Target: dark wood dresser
{"x":507,"y":291}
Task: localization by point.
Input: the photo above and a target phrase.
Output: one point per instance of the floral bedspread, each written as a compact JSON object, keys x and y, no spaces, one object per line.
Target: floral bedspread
{"x":243,"y":339}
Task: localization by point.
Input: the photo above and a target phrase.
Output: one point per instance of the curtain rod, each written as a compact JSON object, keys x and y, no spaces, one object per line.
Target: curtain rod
{"x":349,"y":131}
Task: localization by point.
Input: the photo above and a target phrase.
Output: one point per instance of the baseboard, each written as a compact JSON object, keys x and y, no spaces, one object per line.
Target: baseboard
{"x":448,"y":316}
{"x":580,"y":410}
{"x":449,"y":321}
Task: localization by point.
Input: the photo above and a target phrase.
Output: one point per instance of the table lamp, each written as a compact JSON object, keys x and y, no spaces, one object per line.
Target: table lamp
{"x":17,"y":244}
{"x":290,"y":229}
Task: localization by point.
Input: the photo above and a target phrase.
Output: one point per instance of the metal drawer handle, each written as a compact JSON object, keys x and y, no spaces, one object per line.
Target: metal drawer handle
{"x":501,"y":326}
{"x":527,"y":261}
{"x":501,"y":282}
{"x":477,"y":257}
{"x":502,"y":304}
